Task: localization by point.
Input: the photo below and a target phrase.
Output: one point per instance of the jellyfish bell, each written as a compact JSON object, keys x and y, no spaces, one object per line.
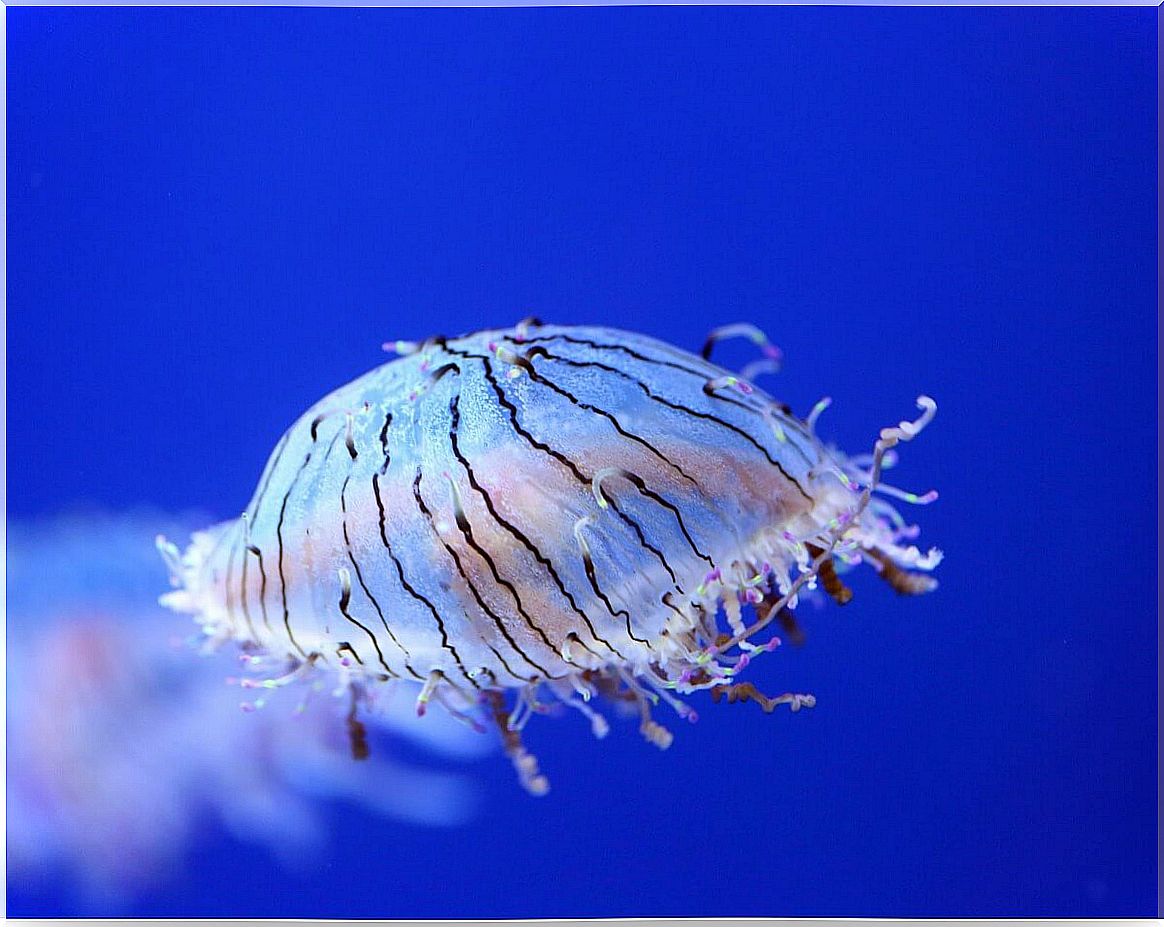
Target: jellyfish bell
{"x":545,"y":512}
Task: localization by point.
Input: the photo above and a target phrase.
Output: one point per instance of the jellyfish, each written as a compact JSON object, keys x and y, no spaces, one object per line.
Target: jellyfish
{"x":546,"y":515}
{"x":120,"y":734}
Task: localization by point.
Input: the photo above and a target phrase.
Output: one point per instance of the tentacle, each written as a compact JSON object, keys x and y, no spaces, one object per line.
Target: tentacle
{"x":745,"y":691}
{"x":521,"y":329}
{"x":717,"y":383}
{"x":524,"y":762}
{"x":903,"y":582}
{"x":755,"y":369}
{"x":357,"y":733}
{"x":815,"y":413}
{"x":837,"y":590}
{"x":741,"y":330}
{"x":890,"y":437}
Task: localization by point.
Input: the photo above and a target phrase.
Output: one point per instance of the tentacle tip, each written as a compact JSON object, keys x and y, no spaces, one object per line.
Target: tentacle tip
{"x":663,"y":739}
{"x":803,"y":701}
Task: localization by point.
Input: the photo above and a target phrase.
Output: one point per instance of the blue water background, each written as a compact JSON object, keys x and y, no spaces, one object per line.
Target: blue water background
{"x":216,"y":216}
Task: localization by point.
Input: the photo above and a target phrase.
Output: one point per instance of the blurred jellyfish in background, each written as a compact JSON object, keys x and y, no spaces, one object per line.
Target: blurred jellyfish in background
{"x":125,"y":747}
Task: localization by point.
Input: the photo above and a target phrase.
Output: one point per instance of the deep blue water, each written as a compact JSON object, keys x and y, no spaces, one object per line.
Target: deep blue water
{"x":216,"y":216}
